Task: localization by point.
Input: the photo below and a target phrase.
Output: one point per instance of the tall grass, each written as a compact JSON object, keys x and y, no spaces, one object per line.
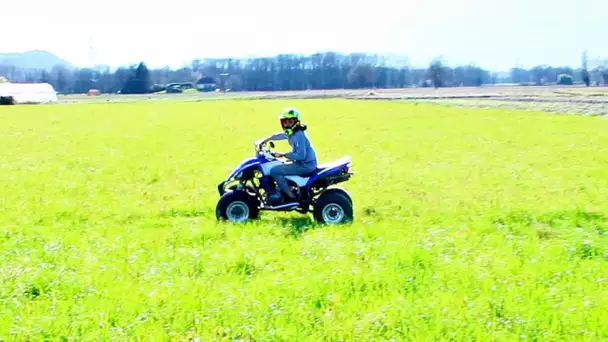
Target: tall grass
{"x":470,"y":225}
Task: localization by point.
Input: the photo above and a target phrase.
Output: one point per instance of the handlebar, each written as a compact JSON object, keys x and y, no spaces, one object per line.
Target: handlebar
{"x":260,"y":147}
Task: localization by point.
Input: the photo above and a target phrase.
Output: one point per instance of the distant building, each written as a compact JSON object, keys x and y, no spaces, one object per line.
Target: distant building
{"x":206,"y":84}
{"x":24,"y":93}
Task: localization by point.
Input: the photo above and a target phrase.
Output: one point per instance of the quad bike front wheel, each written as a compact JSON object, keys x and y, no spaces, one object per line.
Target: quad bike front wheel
{"x":237,"y":207}
{"x":333,"y":208}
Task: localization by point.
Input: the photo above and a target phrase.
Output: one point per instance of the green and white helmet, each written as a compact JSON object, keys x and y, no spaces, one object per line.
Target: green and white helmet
{"x":290,"y":119}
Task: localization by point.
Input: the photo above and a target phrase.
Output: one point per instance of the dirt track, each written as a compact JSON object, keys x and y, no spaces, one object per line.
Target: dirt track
{"x":576,"y":99}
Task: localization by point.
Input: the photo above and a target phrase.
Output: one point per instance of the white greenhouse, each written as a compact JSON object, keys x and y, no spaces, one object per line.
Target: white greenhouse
{"x":25,"y":93}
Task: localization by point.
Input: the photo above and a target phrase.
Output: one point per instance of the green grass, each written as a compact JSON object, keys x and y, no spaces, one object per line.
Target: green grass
{"x":470,"y":225}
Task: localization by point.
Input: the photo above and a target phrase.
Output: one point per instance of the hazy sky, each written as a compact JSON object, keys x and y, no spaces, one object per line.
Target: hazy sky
{"x":491,"y":33}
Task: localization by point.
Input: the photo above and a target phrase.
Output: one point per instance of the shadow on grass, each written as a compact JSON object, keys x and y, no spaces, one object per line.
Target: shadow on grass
{"x":298,"y":225}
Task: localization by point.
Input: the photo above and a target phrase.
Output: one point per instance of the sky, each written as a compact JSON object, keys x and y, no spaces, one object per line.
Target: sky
{"x":489,"y":33}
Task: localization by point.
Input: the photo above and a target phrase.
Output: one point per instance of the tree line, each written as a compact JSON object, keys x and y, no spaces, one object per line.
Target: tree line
{"x":296,"y":72}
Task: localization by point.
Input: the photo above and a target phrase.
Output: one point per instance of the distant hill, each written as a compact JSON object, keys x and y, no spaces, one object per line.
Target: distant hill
{"x":35,"y":59}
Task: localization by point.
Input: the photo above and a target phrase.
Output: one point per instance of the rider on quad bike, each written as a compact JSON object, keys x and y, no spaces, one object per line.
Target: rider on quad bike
{"x":303,"y":155}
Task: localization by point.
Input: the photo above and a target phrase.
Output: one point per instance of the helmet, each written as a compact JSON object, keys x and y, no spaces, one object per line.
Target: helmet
{"x":290,"y":119}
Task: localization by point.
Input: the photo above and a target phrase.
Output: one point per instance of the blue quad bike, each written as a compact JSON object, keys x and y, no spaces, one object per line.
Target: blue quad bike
{"x":250,"y":189}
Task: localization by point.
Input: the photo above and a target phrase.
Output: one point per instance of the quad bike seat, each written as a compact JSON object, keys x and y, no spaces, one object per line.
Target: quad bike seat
{"x":330,"y":165}
{"x":321,"y":167}
{"x":301,"y":180}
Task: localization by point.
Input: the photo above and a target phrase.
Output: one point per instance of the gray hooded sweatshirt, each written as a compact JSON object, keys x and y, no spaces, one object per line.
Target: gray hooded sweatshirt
{"x":303,"y":152}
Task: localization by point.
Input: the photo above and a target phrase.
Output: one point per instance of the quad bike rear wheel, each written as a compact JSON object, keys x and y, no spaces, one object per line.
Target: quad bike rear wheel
{"x":333,"y":207}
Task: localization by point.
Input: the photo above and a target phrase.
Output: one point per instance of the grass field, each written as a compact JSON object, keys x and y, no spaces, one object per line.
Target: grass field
{"x":470,"y":224}
{"x":552,"y":99}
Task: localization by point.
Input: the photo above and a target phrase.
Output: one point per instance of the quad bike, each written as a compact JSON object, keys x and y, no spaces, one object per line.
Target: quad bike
{"x":249,"y":189}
